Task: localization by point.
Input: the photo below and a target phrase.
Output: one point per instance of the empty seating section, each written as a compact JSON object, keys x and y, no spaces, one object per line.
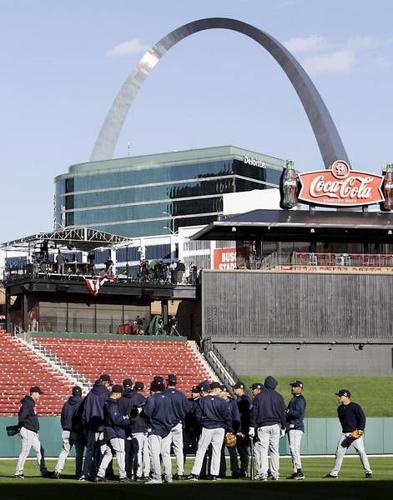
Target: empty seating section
{"x":21,"y":369}
{"x":139,"y":359}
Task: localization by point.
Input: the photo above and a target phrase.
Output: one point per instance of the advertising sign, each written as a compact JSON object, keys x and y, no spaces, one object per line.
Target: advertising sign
{"x":340,"y":186}
{"x":225,"y":258}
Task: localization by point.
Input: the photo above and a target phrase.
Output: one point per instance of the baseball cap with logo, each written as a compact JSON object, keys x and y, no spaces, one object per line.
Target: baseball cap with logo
{"x":239,"y":385}
{"x":196,"y":389}
{"x":35,"y":388}
{"x":172,"y":379}
{"x":127,"y":382}
{"x":76,"y":391}
{"x":204,"y":386}
{"x":343,"y":392}
{"x":256,"y":385}
{"x":139,"y":386}
{"x":297,"y":383}
{"x":117,"y":388}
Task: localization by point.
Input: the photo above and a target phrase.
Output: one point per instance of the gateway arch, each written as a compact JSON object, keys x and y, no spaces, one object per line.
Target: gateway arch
{"x":326,"y":134}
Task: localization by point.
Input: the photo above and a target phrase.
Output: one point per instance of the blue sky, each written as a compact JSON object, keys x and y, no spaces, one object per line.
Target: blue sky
{"x":62,"y":63}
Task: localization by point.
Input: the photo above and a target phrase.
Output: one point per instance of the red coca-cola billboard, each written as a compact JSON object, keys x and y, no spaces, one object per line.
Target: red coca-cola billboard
{"x":340,"y":187}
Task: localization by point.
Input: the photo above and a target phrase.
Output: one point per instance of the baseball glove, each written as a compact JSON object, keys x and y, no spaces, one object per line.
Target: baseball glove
{"x":230,"y":439}
{"x":356,"y":434}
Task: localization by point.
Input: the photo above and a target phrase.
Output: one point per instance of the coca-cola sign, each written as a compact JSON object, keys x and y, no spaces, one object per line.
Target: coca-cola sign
{"x":340,"y":187}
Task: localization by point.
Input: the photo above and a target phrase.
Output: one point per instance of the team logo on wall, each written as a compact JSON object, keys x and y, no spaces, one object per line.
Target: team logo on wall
{"x":340,"y":186}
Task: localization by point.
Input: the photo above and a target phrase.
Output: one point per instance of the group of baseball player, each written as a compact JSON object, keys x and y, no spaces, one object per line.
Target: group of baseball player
{"x":118,"y":421}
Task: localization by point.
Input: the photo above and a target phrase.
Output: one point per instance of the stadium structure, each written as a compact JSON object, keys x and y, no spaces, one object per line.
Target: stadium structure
{"x":281,"y":290}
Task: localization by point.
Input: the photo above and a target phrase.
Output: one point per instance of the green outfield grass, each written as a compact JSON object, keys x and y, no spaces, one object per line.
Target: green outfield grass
{"x":351,"y":484}
{"x":374,"y":394}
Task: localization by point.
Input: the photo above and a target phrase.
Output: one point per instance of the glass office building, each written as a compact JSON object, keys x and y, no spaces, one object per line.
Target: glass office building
{"x":156,"y":194}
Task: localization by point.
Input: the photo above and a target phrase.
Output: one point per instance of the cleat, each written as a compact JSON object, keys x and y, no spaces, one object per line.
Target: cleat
{"x":216,"y":478}
{"x":154,"y":481}
{"x":331,"y":476}
{"x":300,"y":476}
{"x":273,"y":478}
{"x":19,"y":476}
{"x":193,"y":477}
{"x":178,"y":477}
{"x":100,"y":479}
{"x":368,"y":475}
{"x":47,"y":473}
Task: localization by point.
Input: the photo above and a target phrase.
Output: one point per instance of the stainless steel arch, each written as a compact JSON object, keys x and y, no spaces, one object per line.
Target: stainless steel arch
{"x":326,"y":134}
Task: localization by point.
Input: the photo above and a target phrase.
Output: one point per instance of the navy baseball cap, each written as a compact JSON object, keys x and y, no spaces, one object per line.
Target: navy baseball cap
{"x":76,"y":391}
{"x":297,"y":383}
{"x":215,"y":385}
{"x":239,"y":385}
{"x":118,"y":389}
{"x":204,"y":386}
{"x":172,"y":379}
{"x":343,"y":392}
{"x":139,"y":386}
{"x":158,"y":379}
{"x":35,"y":388}
{"x":127,"y":382}
{"x":257,"y":385}
{"x":196,"y":389}
{"x":105,"y":378}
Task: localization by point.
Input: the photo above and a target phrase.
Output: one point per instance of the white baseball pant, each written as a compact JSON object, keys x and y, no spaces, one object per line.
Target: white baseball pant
{"x":142,"y":455}
{"x":160,"y":446}
{"x":358,"y":444}
{"x":178,"y":448}
{"x":118,"y":447}
{"x":268,"y":438}
{"x":216,"y":438}
{"x":30,"y":440}
{"x":294,"y":440}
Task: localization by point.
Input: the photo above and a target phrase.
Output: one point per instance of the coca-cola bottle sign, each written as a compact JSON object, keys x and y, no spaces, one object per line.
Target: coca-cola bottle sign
{"x":340,"y":186}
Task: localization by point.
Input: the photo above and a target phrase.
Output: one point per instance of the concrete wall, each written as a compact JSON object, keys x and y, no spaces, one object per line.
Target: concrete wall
{"x":320,"y":438}
{"x":259,"y":359}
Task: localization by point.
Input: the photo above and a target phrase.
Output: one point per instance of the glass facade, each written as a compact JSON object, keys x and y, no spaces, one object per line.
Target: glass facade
{"x":156,"y":194}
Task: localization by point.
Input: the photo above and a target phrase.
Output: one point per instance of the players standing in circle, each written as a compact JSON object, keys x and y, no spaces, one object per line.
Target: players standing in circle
{"x":115,"y":424}
{"x":268,"y":417}
{"x":214,"y":416}
{"x":29,"y":427}
{"x":295,"y":427}
{"x":72,"y":435}
{"x":180,"y":407}
{"x":353,"y":423}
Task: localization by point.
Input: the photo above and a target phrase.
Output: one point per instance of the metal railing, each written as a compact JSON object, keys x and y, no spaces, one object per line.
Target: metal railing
{"x":219,"y":364}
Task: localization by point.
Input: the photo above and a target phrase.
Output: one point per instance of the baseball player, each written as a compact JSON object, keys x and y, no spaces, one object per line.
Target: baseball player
{"x":140,"y":460}
{"x":214,"y":416}
{"x":191,"y":425}
{"x":93,"y":422}
{"x":29,"y":427}
{"x":256,"y":388}
{"x":295,"y":427}
{"x":125,"y":406}
{"x":244,"y":405}
{"x":268,"y":416}
{"x":114,"y":434}
{"x":353,"y":423}
{"x":180,"y":407}
{"x":235,"y":416}
{"x":158,"y":409}
{"x":72,"y":434}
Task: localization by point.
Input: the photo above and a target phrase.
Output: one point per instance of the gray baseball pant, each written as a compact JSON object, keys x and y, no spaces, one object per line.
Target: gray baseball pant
{"x":160,"y":446}
{"x":294,"y":440}
{"x":69,"y":440}
{"x":216,"y":438}
{"x":141,"y":454}
{"x":178,"y":448}
{"x":358,"y":444}
{"x":268,"y":438}
{"x":118,"y":447}
{"x":30,"y":440}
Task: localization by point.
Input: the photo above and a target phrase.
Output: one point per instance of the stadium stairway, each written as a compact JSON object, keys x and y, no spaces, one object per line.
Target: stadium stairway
{"x":132,"y":358}
{"x":21,"y":368}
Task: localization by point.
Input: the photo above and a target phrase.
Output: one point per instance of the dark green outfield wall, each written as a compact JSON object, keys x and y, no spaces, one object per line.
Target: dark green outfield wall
{"x":320,"y":437}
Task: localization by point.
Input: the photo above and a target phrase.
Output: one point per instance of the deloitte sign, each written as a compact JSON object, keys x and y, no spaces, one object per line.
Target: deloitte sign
{"x":255,"y":162}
